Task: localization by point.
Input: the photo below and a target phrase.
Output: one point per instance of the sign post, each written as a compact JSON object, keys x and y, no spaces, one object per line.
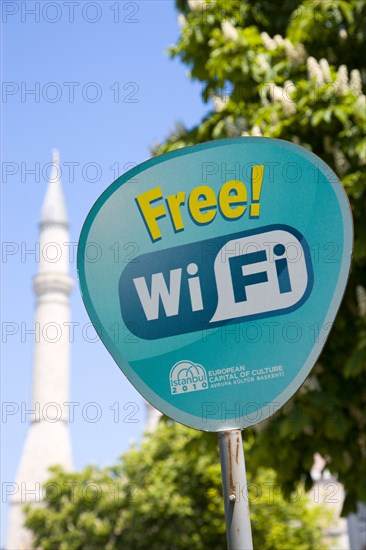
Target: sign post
{"x":212,"y":274}
{"x":234,"y":486}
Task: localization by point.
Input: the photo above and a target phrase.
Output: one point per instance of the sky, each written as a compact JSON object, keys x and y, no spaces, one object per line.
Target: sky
{"x":104,"y":90}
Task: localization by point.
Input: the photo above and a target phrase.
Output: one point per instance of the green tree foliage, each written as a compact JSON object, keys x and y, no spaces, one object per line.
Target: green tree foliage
{"x":166,"y":495}
{"x":295,"y":70}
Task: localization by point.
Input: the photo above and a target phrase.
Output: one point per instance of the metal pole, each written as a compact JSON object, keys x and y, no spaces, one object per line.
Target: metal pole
{"x":234,"y":486}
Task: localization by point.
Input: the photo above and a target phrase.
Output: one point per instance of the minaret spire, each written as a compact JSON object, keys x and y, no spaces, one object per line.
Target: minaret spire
{"x":54,"y":209}
{"x":48,"y":441}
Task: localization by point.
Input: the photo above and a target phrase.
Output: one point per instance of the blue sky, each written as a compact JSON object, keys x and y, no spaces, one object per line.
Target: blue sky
{"x":105,"y":91}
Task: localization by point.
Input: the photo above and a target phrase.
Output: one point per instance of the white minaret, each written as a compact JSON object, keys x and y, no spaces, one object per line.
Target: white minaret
{"x":152,"y":417}
{"x":48,"y":440}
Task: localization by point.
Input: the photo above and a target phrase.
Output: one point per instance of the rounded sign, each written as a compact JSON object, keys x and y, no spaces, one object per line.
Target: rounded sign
{"x":213,"y":274}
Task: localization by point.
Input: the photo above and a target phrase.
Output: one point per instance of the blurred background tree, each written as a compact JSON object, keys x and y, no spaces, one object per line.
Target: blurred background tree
{"x":167,"y":495}
{"x":295,"y":70}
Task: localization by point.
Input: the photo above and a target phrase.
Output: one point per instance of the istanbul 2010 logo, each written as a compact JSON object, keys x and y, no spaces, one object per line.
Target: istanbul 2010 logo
{"x":186,"y":376}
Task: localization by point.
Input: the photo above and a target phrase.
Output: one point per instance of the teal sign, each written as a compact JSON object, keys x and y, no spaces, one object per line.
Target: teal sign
{"x":213,"y":274}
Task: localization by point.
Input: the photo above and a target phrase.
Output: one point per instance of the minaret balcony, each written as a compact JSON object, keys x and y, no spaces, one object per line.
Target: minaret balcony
{"x":44,"y":283}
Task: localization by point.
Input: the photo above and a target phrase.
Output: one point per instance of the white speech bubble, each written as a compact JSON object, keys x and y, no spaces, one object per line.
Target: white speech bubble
{"x":262,"y":297}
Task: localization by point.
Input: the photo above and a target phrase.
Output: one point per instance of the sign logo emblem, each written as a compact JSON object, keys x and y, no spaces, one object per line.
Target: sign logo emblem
{"x":186,"y":377}
{"x":245,"y":276}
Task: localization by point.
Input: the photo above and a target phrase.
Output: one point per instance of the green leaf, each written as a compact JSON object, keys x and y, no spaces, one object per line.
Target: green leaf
{"x":318,"y":117}
{"x":356,"y":364}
